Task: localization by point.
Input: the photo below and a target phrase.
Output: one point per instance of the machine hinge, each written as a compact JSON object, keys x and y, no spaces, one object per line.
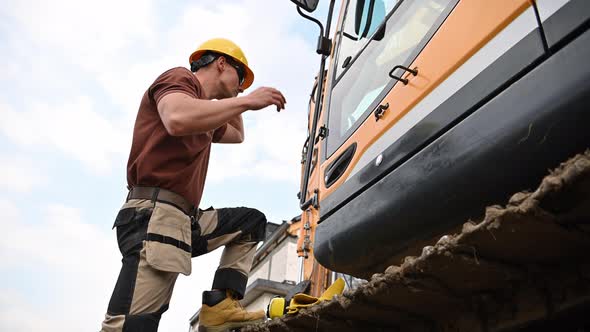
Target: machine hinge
{"x":323,"y":133}
{"x":380,"y":110}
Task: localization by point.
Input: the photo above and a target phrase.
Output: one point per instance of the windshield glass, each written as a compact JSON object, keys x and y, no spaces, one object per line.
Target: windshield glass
{"x":352,"y":42}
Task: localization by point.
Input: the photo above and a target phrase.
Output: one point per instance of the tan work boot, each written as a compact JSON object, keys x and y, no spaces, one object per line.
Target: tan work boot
{"x":221,"y":312}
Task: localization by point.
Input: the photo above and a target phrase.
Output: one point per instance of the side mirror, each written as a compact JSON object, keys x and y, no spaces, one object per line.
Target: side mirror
{"x":368,"y":17}
{"x":308,"y":5}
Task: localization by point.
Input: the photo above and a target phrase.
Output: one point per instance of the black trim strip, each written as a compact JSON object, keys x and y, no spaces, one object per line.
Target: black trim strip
{"x":511,"y":66}
{"x":567,"y":23}
{"x":169,"y":240}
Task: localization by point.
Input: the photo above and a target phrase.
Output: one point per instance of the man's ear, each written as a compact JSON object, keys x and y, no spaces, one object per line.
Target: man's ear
{"x":221,"y":63}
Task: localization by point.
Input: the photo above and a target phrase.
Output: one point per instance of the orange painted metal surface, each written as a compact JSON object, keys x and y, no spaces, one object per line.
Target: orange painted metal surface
{"x":468,"y":28}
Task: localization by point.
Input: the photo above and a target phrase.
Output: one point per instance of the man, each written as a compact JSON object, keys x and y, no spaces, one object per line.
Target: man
{"x":159,"y":228}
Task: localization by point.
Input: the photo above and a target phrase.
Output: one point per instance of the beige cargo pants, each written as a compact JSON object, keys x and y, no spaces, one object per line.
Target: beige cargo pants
{"x":157,"y":242}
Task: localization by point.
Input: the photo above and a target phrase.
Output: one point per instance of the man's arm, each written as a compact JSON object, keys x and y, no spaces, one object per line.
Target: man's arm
{"x":183,"y":115}
{"x":234,"y":132}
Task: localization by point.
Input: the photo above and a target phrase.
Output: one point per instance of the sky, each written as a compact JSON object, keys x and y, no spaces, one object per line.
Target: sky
{"x":73,"y":73}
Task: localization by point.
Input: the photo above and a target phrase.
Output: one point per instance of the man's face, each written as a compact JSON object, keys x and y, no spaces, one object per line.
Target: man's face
{"x":240,"y":71}
{"x":232,"y":78}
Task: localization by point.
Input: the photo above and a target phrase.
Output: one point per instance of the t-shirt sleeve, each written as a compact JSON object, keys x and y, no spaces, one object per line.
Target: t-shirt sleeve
{"x":174,"y":80}
{"x":219,"y":132}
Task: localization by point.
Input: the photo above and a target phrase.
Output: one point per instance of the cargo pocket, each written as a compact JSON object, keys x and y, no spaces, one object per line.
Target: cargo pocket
{"x":124,"y":217}
{"x":168,"y":240}
{"x":131,"y":228}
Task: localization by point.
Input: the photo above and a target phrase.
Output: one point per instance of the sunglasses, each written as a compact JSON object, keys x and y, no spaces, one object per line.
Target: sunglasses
{"x":241,"y":71}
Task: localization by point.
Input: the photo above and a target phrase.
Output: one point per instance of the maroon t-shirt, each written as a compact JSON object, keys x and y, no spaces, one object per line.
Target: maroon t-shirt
{"x":157,"y":159}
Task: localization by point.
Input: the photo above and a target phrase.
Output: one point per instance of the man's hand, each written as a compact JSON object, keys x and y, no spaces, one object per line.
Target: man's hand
{"x":265,"y":96}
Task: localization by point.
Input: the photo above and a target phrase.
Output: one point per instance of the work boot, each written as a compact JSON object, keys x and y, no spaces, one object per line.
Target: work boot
{"x":222,"y":312}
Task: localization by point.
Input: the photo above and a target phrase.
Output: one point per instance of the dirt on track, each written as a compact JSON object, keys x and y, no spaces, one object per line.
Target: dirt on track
{"x":523,"y":264}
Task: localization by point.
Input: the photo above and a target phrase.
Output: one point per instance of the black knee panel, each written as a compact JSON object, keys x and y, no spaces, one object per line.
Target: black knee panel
{"x":251,"y":222}
{"x":257,"y":225}
{"x":144,"y":322}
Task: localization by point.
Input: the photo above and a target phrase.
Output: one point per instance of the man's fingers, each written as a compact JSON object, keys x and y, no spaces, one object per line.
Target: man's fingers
{"x":278,"y":103}
{"x":279,"y":96}
{"x":283,"y":99}
{"x":275,"y":99}
{"x":269,"y":96}
{"x":281,"y":102}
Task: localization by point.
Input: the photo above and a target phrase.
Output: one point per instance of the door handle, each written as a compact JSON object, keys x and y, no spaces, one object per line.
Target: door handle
{"x":335,"y":170}
{"x":403,"y":80}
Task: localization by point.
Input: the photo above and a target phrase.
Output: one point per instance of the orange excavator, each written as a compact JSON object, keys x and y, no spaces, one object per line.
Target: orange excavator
{"x":424,"y":115}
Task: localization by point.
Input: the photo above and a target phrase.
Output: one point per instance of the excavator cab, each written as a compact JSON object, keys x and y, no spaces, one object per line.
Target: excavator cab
{"x":431,"y":110}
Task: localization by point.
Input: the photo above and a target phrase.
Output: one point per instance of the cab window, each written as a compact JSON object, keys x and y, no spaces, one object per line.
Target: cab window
{"x":364,"y":80}
{"x":354,"y":34}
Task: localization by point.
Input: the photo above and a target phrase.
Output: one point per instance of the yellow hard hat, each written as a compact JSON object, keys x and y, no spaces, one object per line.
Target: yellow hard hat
{"x":229,"y":48}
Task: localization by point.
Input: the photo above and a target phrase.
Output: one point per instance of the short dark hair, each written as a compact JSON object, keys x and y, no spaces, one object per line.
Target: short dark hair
{"x":206,"y":59}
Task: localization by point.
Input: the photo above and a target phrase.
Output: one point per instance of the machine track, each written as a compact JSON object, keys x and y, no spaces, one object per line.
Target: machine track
{"x":524,"y":266}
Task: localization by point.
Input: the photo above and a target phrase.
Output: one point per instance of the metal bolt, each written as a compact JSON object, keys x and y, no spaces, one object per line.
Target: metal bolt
{"x":378,"y":160}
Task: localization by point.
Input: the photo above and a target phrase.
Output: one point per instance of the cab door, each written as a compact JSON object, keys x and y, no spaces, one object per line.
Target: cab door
{"x":377,"y":80}
{"x":374,"y":38}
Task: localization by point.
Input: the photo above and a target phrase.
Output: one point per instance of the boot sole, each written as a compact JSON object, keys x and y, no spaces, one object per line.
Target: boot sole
{"x":228,"y":326}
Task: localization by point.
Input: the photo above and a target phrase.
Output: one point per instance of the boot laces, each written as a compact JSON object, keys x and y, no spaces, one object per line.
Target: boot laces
{"x":236,"y":302}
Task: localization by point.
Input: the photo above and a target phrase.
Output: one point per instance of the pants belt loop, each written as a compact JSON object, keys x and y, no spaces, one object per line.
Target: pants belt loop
{"x":194,"y":214}
{"x":155,"y":195}
{"x":129,"y":188}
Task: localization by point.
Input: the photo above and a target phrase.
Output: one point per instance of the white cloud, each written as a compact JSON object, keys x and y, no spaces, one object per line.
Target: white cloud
{"x":88,"y":33}
{"x":72,"y":259}
{"x":9,"y":210}
{"x":57,"y":238}
{"x":73,"y":128}
{"x":127,"y":85}
{"x":19,"y":174}
{"x":270,"y":152}
{"x":18,"y":315}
